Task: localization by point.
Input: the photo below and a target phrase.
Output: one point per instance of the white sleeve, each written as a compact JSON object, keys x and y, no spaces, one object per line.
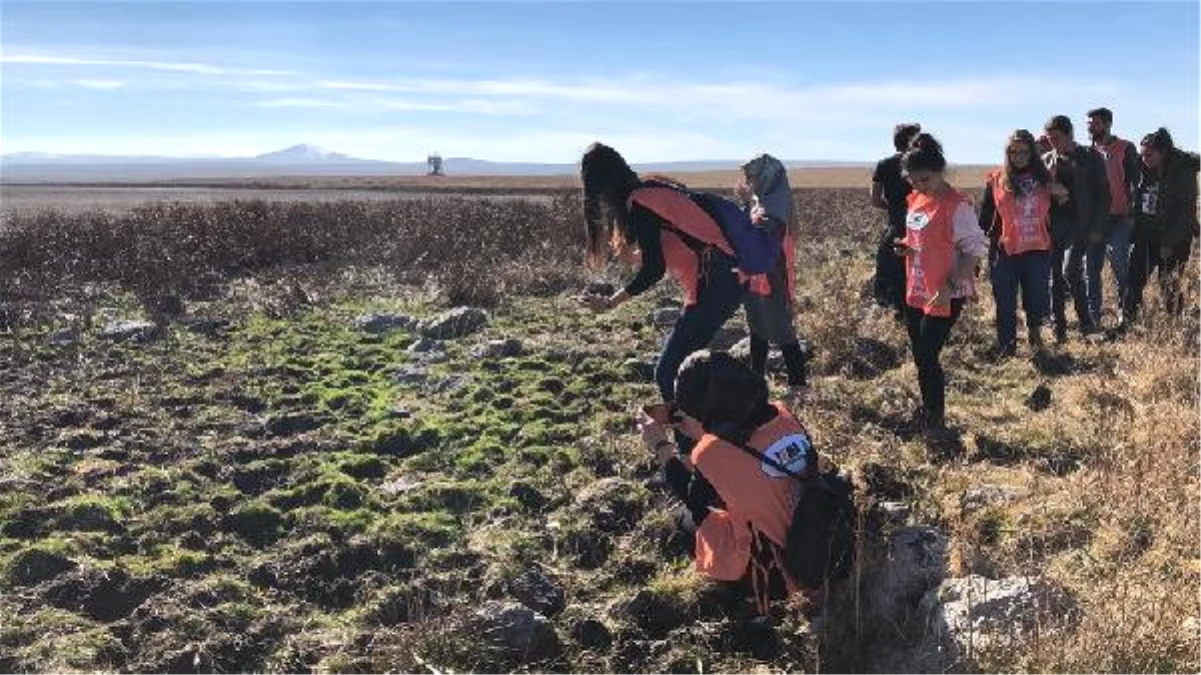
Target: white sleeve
{"x":969,"y":238}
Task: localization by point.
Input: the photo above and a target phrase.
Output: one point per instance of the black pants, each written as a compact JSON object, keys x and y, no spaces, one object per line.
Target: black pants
{"x":888,"y":287}
{"x":1146,"y":257}
{"x":927,"y":335}
{"x":1067,"y":276}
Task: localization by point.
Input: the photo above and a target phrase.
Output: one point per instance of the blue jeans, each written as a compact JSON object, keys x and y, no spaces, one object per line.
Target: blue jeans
{"x":1118,"y":249}
{"x":1031,"y":272}
{"x":718,"y":296}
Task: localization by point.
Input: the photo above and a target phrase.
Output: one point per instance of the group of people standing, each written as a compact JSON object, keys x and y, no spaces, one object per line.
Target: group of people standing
{"x":1050,"y":216}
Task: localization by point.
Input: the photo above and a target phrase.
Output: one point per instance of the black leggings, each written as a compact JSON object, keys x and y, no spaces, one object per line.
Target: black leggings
{"x":1145,"y":258}
{"x":927,"y":335}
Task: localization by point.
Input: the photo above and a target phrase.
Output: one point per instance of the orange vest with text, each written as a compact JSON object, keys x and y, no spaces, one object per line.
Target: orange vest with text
{"x":930,"y":233}
{"x":685,"y":216}
{"x":1114,"y":153}
{"x":758,"y":498}
{"x":1024,"y":218}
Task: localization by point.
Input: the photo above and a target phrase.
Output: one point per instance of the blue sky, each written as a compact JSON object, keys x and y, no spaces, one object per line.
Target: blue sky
{"x":513,"y":81}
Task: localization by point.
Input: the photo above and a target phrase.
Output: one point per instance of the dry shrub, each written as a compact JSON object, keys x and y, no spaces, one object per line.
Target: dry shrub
{"x":475,"y":248}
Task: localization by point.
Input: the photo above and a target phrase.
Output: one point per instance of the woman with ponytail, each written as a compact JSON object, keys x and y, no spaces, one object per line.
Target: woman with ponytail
{"x":1165,"y":220}
{"x":941,"y":246}
{"x":671,"y":233}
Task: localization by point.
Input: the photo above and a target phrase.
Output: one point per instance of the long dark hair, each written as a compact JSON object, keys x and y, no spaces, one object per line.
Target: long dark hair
{"x":1160,"y":139}
{"x":723,"y":394}
{"x":924,"y":154}
{"x":1035,"y":166}
{"x":608,"y":181}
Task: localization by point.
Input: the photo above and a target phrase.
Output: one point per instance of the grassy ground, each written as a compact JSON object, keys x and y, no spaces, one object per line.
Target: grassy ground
{"x":256,"y":489}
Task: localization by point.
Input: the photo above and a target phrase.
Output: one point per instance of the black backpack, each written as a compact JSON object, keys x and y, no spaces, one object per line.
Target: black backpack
{"x":820,"y":545}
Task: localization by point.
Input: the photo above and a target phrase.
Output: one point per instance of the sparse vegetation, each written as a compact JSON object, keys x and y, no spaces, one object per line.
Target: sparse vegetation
{"x":264,"y":486}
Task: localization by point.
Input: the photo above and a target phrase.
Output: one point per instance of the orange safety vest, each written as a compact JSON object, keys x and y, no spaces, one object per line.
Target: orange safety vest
{"x":930,"y":233}
{"x":1025,"y":219}
{"x":759,"y":500}
{"x":1114,"y":153}
{"x":691,"y":220}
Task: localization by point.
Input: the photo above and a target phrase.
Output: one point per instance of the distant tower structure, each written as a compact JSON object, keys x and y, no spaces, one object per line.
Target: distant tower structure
{"x":435,"y":164}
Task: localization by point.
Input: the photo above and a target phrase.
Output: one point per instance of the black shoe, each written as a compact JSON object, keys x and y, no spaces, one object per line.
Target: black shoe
{"x":1061,"y":335}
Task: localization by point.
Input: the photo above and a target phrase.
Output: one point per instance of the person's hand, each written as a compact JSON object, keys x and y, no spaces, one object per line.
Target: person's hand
{"x":596,"y":303}
{"x":902,"y":249}
{"x":942,"y":298}
{"x":654,"y":435}
{"x":758,"y":214}
{"x":743,"y":190}
{"x":1059,"y":192}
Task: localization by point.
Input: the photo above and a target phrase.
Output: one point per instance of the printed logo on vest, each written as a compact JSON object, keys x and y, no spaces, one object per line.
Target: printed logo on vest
{"x":917,"y":220}
{"x":792,"y":452}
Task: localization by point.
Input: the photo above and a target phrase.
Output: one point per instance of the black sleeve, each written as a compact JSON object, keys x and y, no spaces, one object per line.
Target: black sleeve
{"x":693,"y":489}
{"x":988,"y":210}
{"x":1133,"y":168}
{"x":1101,"y":183}
{"x":648,"y":229}
{"x":878,"y":173}
{"x":1178,"y":201}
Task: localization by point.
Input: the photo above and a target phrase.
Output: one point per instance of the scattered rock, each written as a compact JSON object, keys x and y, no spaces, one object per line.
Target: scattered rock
{"x":378,"y":323}
{"x":103,"y":595}
{"x":455,"y":323}
{"x":126,"y":330}
{"x":968,"y":614}
{"x":592,"y":634}
{"x":35,"y":565}
{"x":915,"y":562}
{"x":538,"y":592}
{"x":651,"y":612}
{"x":411,"y":374}
{"x":1039,"y":399}
{"x":288,"y":424}
{"x":726,"y":337}
{"x":498,"y":349}
{"x":528,"y":496}
{"x":64,"y":337}
{"x":515,"y":634}
{"x":982,"y":496}
{"x":614,"y":504}
{"x":450,"y":385}
{"x":424,"y":345}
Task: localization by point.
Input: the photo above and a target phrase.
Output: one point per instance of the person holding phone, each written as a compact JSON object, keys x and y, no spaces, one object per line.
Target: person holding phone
{"x":942,"y":245}
{"x":1015,"y":213}
{"x":672,"y":234}
{"x":736,"y":508}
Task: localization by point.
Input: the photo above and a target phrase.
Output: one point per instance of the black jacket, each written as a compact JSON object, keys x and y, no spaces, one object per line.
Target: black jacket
{"x":1166,"y":201}
{"x":1082,"y":171}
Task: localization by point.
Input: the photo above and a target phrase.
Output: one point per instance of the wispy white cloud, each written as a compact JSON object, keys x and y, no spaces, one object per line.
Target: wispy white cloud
{"x":373,"y":104}
{"x":100,"y":84}
{"x":170,"y":66}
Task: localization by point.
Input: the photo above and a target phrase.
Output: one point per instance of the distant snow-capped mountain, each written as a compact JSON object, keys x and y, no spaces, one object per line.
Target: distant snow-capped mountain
{"x":308,"y":154}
